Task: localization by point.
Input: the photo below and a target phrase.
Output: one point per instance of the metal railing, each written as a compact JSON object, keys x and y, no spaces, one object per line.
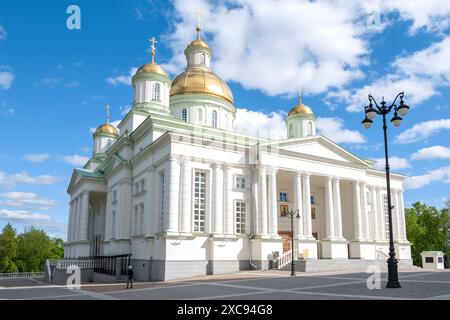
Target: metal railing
{"x":22,"y":275}
{"x":82,"y":264}
{"x":112,"y":265}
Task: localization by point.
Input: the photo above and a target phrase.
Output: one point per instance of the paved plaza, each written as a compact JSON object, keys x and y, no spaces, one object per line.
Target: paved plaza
{"x":251,"y":285}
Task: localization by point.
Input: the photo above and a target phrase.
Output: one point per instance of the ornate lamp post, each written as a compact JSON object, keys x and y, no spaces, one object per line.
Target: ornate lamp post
{"x":293,"y":213}
{"x":371,"y":111}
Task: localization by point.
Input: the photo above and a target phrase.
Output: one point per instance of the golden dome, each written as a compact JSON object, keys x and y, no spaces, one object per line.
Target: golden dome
{"x":107,"y":128}
{"x":201,"y":81}
{"x":151,"y":68}
{"x":300,"y":109}
{"x":198,"y":43}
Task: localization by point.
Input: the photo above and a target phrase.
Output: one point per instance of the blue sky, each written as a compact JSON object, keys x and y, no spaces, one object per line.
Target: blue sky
{"x":55,"y":82}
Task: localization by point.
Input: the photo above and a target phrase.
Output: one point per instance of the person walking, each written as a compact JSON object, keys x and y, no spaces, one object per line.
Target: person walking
{"x":130,"y":276}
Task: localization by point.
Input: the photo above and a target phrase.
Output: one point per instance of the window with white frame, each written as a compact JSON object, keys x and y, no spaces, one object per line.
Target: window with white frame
{"x":184,"y":115}
{"x":240,"y":214}
{"x":240,"y":182}
{"x":214,"y":119}
{"x":386,"y":215}
{"x":310,"y":128}
{"x":202,"y":58}
{"x":156,"y":91}
{"x":199,"y":201}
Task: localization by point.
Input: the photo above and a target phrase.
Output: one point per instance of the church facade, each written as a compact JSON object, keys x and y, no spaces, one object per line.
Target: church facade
{"x":186,"y":195}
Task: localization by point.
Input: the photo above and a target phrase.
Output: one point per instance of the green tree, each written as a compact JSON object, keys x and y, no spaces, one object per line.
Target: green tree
{"x":8,"y":249}
{"x":34,"y":247}
{"x":426,"y":229}
{"x":57,"y":251}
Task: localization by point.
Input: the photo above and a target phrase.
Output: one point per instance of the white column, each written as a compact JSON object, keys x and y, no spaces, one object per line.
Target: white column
{"x":172,"y":191}
{"x":329,"y":209}
{"x":255,"y":216}
{"x":374,"y":212}
{"x":402,"y":216}
{"x":381,"y":214}
{"x":364,"y":213}
{"x":228,"y":218}
{"x":337,"y":209}
{"x":76,"y":219}
{"x":396,"y":215}
{"x":357,"y":223}
{"x":84,"y":216}
{"x":218,"y":199}
{"x":273,"y":208}
{"x":299,"y":206}
{"x":262,"y":201}
{"x":307,"y":207}
{"x":186,"y":196}
{"x":69,"y":225}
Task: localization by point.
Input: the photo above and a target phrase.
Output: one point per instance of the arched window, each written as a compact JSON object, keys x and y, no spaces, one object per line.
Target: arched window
{"x":310,"y":128}
{"x":156,"y":91}
{"x":184,"y":115}
{"x":291,"y":130}
{"x":214,"y":119}
{"x":202,"y":58}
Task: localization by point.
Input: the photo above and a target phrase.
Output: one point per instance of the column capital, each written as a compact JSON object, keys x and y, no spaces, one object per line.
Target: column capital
{"x":273,"y":170}
{"x":337,"y":179}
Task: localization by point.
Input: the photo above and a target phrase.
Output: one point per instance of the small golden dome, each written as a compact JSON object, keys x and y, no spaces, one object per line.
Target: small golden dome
{"x":300,"y":109}
{"x":199,"y":43}
{"x":152,"y":68}
{"x":197,"y":80}
{"x":107,"y":128}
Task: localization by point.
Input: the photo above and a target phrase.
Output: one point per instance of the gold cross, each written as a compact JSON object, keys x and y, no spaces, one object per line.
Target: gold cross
{"x":198,"y":29}
{"x":153,"y":41}
{"x":299,"y":89}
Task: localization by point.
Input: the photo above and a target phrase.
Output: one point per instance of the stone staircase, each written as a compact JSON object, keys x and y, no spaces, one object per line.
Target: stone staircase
{"x":350,"y":265}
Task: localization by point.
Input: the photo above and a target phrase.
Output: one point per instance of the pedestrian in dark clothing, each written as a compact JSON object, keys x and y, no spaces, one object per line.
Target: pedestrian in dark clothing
{"x":130,"y":276}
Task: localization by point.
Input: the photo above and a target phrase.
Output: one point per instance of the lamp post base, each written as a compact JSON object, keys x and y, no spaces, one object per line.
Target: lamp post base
{"x":393,"y":274}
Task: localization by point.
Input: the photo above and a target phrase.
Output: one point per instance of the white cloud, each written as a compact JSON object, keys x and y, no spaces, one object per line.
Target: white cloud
{"x":417,"y":182}
{"x":423,"y":130}
{"x":5,"y":110}
{"x":24,"y":178}
{"x":420,"y":75}
{"x":3,"y":33}
{"x":75,"y":160}
{"x":6,"y":80}
{"x":37,"y":220}
{"x":19,"y":199}
{"x":430,"y":153}
{"x":333,"y":128}
{"x":122,"y":79}
{"x":36,"y":157}
{"x":395,"y":163}
{"x":48,"y":82}
{"x":259,"y":124}
{"x":274,"y":45}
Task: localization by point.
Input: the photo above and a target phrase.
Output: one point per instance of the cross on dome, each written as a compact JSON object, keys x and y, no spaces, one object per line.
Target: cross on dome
{"x":198,"y":29}
{"x":107,"y":113}
{"x":153,"y":41}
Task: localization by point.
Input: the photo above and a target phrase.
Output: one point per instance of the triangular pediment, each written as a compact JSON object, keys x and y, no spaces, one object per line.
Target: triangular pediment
{"x":319,"y":146}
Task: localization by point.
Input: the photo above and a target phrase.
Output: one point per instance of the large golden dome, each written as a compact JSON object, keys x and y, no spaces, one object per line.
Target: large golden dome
{"x":201,"y":81}
{"x":300,"y":109}
{"x":107,"y":128}
{"x":152,"y":68}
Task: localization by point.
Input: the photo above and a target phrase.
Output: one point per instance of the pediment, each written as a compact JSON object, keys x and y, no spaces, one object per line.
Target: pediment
{"x":322,"y":147}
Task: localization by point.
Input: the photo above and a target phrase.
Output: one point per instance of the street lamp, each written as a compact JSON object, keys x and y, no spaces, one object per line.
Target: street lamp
{"x":293,"y":213}
{"x":371,"y":111}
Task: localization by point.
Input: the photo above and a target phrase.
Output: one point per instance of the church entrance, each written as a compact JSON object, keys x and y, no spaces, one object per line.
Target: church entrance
{"x":287,"y":240}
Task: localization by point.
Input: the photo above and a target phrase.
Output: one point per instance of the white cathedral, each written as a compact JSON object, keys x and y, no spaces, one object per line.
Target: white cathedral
{"x":184,"y":194}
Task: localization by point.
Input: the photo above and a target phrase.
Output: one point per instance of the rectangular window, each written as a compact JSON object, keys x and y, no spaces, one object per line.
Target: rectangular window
{"x":135,"y":221}
{"x":429,"y":260}
{"x":161,"y":175}
{"x":240,"y":182}
{"x":136,"y":188}
{"x":240,"y":214}
{"x":283,"y":197}
{"x":142,"y":185}
{"x":386,"y":216}
{"x":113,"y":227}
{"x":313,"y":200}
{"x":114,"y":195}
{"x":141,"y":219}
{"x":199,"y":201}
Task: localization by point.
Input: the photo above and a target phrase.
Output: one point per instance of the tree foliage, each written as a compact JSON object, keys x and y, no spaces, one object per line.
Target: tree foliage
{"x":28,"y":251}
{"x":426,"y":229}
